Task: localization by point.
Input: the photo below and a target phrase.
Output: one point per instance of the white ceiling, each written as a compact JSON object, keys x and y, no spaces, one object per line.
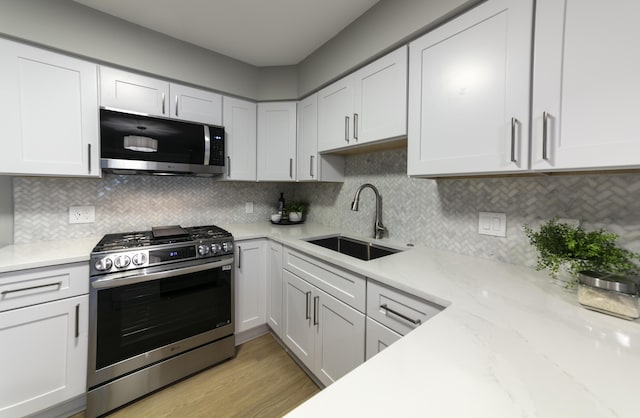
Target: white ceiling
{"x":258,"y":32}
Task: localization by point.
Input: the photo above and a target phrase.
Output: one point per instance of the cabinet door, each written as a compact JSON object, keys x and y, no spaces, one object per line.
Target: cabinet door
{"x":379,"y":337}
{"x":277,"y":141}
{"x":44,"y":352}
{"x":250,"y":285}
{"x":380,"y":98}
{"x":48,"y":113}
{"x":298,"y":331}
{"x":585,"y":80}
{"x":274,"y":288}
{"x":239,"y":120}
{"x":339,"y":339}
{"x":335,"y":122}
{"x":133,"y":92}
{"x":469,"y":92}
{"x":195,"y":105}
{"x":308,"y":139}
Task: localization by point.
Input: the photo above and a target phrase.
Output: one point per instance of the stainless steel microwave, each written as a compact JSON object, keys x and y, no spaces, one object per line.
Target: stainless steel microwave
{"x":139,"y":144}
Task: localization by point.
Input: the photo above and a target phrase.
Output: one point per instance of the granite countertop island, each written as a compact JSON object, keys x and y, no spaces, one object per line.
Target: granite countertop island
{"x":510,"y":343}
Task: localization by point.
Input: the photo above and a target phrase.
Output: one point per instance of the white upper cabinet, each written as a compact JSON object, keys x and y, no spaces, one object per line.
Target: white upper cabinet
{"x":380,"y":98}
{"x":277,"y":141}
{"x":48,"y":113}
{"x":137,"y":93}
{"x":469,"y":83}
{"x":195,"y":105}
{"x":335,"y":119}
{"x":239,"y":120}
{"x":585,"y":84}
{"x":313,"y":166}
{"x":133,"y":92}
{"x":368,"y":105}
{"x":308,"y":139}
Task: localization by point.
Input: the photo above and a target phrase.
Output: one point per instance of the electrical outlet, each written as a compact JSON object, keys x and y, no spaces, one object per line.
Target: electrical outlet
{"x":248,"y":207}
{"x":82,"y":214}
{"x":492,"y":223}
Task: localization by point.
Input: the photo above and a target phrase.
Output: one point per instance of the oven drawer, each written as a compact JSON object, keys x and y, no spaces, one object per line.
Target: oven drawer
{"x":398,"y":310}
{"x":344,"y":285}
{"x":29,"y":287}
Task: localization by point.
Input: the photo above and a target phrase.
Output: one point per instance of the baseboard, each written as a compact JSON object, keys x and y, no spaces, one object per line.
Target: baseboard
{"x":65,"y":409}
{"x":250,"y":334}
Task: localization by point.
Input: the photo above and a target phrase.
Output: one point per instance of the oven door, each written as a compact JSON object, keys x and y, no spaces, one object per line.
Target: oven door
{"x":137,"y":320}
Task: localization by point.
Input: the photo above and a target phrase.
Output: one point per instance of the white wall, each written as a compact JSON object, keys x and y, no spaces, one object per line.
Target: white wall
{"x":386,"y":25}
{"x":277,"y":83}
{"x":6,"y":210}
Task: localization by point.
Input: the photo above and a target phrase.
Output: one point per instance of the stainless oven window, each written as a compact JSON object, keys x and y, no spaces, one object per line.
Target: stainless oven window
{"x":137,"y":318}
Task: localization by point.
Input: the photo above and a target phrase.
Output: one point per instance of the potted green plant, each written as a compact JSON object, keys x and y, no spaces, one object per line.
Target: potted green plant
{"x":296,"y":209}
{"x":561,"y":245}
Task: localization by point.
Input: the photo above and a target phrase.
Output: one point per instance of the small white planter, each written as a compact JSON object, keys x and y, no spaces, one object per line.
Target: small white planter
{"x":295,"y":216}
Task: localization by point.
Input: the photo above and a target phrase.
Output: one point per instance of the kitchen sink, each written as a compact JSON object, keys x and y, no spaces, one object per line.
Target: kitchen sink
{"x":352,"y":247}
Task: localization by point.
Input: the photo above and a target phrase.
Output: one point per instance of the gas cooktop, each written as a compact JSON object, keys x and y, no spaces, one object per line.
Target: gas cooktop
{"x":167,"y":244}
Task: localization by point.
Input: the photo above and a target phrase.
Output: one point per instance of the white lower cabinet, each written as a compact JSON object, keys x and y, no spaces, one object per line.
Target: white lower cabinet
{"x":379,"y":337}
{"x":44,"y":351}
{"x":274,"y":287}
{"x":325,"y":334}
{"x":250,"y":284}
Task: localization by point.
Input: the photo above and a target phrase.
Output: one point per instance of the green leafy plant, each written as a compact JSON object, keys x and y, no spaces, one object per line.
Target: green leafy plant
{"x":296,"y":206}
{"x":560,"y":244}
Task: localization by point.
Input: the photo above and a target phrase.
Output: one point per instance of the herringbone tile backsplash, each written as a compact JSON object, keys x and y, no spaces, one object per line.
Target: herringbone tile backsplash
{"x":436,"y":213}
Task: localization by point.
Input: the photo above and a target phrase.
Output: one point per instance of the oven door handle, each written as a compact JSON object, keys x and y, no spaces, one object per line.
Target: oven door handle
{"x":106,"y":283}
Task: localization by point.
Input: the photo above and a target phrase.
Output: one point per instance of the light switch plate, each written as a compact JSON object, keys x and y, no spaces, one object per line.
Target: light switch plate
{"x":82,"y":214}
{"x":248,"y":207}
{"x":492,"y":223}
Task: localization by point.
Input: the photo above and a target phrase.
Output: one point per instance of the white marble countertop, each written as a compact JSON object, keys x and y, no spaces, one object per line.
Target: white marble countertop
{"x":511,"y":343}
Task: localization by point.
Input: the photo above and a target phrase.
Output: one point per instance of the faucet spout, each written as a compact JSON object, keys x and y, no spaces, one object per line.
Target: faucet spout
{"x":378,"y":227}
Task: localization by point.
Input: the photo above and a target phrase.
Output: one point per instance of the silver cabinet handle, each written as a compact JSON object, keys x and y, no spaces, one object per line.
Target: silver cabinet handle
{"x":239,"y":258}
{"x":89,"y":157}
{"x":77,"y":320}
{"x":316,"y":303}
{"x":176,"y":105}
{"x":514,"y":123}
{"x":545,"y":123}
{"x":291,"y":168}
{"x":355,"y":126}
{"x":311,"y":165}
{"x":24,"y":289}
{"x":163,"y":103}
{"x":228,"y":166}
{"x":346,"y":128}
{"x":406,"y":318}
{"x":307,"y":314}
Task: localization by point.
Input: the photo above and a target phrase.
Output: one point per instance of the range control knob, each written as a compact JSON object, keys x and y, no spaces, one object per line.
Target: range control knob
{"x":139,"y":259}
{"x":104,"y":264}
{"x":227,"y":246}
{"x":203,"y":249}
{"x":122,"y":261}
{"x":215,"y":248}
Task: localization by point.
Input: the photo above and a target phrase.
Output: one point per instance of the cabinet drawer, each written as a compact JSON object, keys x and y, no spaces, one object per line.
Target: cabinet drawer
{"x":344,"y":285}
{"x":33,"y":286}
{"x":398,"y":310}
{"x":379,"y":337}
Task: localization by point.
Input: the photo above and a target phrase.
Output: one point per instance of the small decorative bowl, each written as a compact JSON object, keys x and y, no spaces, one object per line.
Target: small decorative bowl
{"x":276,"y":217}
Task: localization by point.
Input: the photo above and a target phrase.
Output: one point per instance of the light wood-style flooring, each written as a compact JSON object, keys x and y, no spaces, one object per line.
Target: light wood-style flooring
{"x":261,"y":381}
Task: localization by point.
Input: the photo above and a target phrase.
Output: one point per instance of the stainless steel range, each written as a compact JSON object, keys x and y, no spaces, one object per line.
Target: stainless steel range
{"x":161,"y":308}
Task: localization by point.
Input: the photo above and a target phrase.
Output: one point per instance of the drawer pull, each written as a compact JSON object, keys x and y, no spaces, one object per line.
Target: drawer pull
{"x":406,"y":318}
{"x":306,"y":310}
{"x":24,"y":289}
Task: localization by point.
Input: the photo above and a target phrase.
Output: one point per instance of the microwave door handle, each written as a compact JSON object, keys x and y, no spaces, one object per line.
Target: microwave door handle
{"x":207,"y":145}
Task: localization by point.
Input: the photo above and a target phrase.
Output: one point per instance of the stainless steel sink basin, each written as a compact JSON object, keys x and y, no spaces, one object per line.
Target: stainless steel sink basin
{"x":352,"y":247}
